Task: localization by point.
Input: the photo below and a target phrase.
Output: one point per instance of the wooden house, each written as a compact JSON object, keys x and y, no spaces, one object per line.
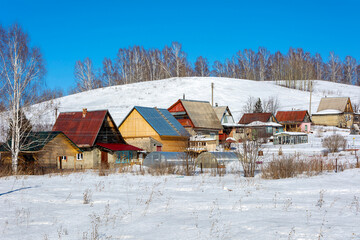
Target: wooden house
{"x":294,"y":121}
{"x":334,"y":111}
{"x":154,"y":129}
{"x":201,"y":121}
{"x":227,"y":121}
{"x":97,"y":135}
{"x":259,"y":125}
{"x":45,"y":149}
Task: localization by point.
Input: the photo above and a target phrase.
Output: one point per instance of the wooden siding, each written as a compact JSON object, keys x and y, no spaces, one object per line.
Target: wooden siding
{"x":135,"y":126}
{"x":57,"y":147}
{"x":338,"y":120}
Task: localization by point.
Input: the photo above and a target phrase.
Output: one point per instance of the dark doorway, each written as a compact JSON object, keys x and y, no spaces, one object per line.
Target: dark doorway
{"x":104,"y":160}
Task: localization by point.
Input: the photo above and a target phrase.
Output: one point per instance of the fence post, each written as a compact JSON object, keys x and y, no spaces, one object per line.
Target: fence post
{"x":321,"y":162}
{"x":336,"y":165}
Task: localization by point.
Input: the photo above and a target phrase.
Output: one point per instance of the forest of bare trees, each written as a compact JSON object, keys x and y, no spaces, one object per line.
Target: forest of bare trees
{"x":137,"y":64}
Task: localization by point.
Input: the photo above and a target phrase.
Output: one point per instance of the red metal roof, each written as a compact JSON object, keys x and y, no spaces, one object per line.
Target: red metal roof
{"x":119,"y":147}
{"x":251,"y":117}
{"x":81,"y":130}
{"x":291,"y":116}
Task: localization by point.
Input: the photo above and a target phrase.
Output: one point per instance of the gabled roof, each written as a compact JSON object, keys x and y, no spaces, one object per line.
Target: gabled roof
{"x":81,"y":130}
{"x":35,"y":141}
{"x":201,"y":114}
{"x":251,"y":117}
{"x":220,"y":112}
{"x":334,"y":103}
{"x":291,"y":116}
{"x":161,"y":121}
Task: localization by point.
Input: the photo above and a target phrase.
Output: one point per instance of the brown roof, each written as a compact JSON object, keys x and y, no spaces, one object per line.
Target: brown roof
{"x":291,"y":116}
{"x":201,"y":114}
{"x":251,"y":117}
{"x":333,"y":103}
{"x":81,"y":130}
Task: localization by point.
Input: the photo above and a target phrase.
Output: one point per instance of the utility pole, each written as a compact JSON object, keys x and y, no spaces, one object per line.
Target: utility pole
{"x":310,"y":97}
{"x":212,"y":94}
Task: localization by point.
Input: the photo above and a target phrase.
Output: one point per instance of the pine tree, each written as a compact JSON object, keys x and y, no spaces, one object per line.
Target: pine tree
{"x":258,"y":107}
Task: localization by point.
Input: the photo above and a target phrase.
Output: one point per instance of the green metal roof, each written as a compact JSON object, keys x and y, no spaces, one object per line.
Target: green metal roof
{"x":35,"y":141}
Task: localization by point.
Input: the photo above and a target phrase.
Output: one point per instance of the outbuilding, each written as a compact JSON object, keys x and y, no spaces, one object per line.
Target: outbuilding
{"x":290,"y":138}
{"x":214,"y":159}
{"x":167,"y":159}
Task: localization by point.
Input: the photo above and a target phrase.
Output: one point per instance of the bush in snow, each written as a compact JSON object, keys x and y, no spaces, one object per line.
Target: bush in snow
{"x":334,"y":142}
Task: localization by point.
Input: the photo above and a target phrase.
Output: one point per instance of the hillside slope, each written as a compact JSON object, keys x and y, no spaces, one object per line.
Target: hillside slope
{"x":228,"y":91}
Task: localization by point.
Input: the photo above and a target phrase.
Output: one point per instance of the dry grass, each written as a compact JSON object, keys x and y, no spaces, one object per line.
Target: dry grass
{"x":292,"y":166}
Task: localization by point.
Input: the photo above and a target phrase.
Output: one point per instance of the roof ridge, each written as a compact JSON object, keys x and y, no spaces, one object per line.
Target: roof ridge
{"x":167,"y":120}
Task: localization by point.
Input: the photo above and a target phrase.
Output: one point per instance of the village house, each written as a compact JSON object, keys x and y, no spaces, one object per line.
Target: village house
{"x":259,"y":125}
{"x":96,"y":134}
{"x":154,"y":129}
{"x":334,"y":111}
{"x":45,"y":150}
{"x":201,"y":121}
{"x":227,"y":121}
{"x":294,"y":121}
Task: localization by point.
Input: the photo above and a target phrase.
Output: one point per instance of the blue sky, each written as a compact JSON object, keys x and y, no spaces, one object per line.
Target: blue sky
{"x":67,"y":31}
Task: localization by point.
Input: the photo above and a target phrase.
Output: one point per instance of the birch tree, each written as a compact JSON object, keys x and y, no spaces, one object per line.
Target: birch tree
{"x":334,"y":67}
{"x":349,"y":74}
{"x":21,"y":69}
{"x":85,"y":76}
{"x":202,"y":67}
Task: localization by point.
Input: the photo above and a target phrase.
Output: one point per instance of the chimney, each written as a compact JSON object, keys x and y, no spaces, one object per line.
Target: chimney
{"x":183,"y":96}
{"x":84,"y":112}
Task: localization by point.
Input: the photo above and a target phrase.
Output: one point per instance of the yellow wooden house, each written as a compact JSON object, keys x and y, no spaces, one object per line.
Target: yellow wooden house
{"x":334,"y":111}
{"x":154,"y":129}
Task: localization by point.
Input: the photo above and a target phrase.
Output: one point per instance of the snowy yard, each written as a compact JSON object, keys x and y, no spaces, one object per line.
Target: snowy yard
{"x":130,"y":206}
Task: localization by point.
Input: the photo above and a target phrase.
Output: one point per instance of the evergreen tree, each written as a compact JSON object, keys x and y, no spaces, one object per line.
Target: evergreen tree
{"x":258,"y":107}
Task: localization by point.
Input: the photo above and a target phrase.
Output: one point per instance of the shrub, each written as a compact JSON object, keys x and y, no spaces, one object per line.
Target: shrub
{"x":334,"y":142}
{"x":289,"y":166}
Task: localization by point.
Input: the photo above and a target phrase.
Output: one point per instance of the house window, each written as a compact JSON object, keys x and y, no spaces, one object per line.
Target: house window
{"x":124,"y":156}
{"x":79,"y":156}
{"x":63,"y":158}
{"x":306,"y":128}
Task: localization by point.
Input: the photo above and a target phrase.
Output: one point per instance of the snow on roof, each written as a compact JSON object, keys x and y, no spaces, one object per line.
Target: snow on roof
{"x":261,"y":124}
{"x":233,"y":125}
{"x":291,"y":133}
{"x":328,"y":111}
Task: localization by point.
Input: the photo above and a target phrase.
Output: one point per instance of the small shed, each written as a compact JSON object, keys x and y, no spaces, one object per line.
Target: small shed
{"x":213,"y":159}
{"x":290,"y":138}
{"x":166,"y":159}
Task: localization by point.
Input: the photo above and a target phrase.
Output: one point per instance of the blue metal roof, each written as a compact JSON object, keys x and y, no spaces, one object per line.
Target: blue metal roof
{"x":174,"y":122}
{"x":158,"y":122}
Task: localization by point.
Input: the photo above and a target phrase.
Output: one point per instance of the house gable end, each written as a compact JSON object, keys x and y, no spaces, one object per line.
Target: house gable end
{"x":108,"y":132}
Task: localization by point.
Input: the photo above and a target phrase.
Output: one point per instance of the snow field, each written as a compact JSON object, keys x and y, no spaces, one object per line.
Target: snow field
{"x":130,"y":206}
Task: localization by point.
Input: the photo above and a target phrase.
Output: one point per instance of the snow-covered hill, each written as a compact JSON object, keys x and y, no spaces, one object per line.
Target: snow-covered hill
{"x":227,"y":91}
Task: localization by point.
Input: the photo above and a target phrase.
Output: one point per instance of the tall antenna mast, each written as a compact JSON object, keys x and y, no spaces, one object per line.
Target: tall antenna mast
{"x":212,"y":94}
